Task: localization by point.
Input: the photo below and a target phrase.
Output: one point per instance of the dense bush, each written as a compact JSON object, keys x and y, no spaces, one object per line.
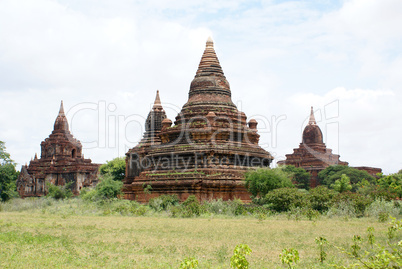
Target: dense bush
{"x":391,"y":183}
{"x":381,"y":209}
{"x":191,"y":207}
{"x":283,"y":199}
{"x":377,"y":192}
{"x":107,"y":188}
{"x":261,"y":181}
{"x":220,"y":207}
{"x":163,"y":202}
{"x":329,"y":175}
{"x":123,"y":207}
{"x":321,"y":198}
{"x":357,"y":202}
{"x":59,"y":192}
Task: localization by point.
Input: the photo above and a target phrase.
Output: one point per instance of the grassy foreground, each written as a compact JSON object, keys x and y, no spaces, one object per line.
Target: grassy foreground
{"x":48,"y":239}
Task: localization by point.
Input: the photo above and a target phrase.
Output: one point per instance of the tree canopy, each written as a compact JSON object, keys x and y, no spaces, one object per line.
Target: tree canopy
{"x":300,"y":177}
{"x":8,"y":175}
{"x":260,"y":181}
{"x":329,"y":175}
{"x":4,"y":156}
{"x":116,"y":168}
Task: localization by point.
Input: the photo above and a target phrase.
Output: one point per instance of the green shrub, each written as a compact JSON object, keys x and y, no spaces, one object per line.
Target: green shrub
{"x":379,"y":193}
{"x":163,"y":202}
{"x":232,"y":207}
{"x":107,"y":188}
{"x":189,"y":263}
{"x":59,"y":192}
{"x":311,"y":214}
{"x":238,"y":260}
{"x":358,"y":202}
{"x":289,"y":256}
{"x":283,"y":199}
{"x":391,"y":183}
{"x":321,"y":198}
{"x":261,"y":181}
{"x":376,"y":255}
{"x":218,"y":207}
{"x":381,"y":210}
{"x":191,"y":207}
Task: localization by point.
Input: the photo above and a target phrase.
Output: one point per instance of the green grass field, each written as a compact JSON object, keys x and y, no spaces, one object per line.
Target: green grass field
{"x":59,"y":238}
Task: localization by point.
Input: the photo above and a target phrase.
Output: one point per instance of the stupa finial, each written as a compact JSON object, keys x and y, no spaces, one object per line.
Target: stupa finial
{"x":210,"y":42}
{"x":157,"y":103}
{"x":312,"y":118}
{"x":61,"y":111}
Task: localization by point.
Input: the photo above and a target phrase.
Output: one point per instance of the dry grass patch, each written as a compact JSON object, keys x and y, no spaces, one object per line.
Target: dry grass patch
{"x":47,"y":240}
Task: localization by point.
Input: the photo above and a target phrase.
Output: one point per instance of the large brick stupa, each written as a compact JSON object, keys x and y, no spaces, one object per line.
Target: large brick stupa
{"x":205,"y":152}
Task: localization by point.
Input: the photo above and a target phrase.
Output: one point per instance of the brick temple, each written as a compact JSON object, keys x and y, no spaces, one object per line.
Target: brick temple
{"x":205,"y":152}
{"x":313,"y":155}
{"x":61,"y":162}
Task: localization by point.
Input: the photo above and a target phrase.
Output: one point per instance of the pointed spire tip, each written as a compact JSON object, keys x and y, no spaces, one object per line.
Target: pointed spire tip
{"x":157,"y":103}
{"x":210,"y":42}
{"x":61,"y":111}
{"x":312,"y":118}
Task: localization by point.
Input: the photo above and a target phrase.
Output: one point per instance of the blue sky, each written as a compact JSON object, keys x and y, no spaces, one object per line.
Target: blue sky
{"x":106,"y":59}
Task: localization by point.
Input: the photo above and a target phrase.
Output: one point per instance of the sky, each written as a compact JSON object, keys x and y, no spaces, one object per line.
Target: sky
{"x":106,"y":59}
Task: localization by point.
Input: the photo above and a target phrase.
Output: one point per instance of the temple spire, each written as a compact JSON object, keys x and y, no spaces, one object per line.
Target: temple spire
{"x":157,"y":104}
{"x":61,"y":111}
{"x":209,"y":62}
{"x":312,"y":118}
{"x":61,"y":120}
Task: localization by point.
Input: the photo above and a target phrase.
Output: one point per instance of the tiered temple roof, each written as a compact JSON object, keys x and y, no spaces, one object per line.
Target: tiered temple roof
{"x":312,"y":154}
{"x":61,"y":162}
{"x":207,"y":149}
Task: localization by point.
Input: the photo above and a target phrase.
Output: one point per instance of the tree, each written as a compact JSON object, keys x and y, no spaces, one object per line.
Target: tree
{"x":299,"y":176}
{"x":342,"y":184}
{"x":259,"y":182}
{"x":8,"y":175}
{"x":116,"y":168}
{"x":329,"y":175}
{"x":4,"y":156}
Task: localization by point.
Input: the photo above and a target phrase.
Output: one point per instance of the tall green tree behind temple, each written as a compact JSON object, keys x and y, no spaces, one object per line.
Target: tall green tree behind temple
{"x":8,"y":175}
{"x":116,"y":168}
{"x":329,"y":175}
